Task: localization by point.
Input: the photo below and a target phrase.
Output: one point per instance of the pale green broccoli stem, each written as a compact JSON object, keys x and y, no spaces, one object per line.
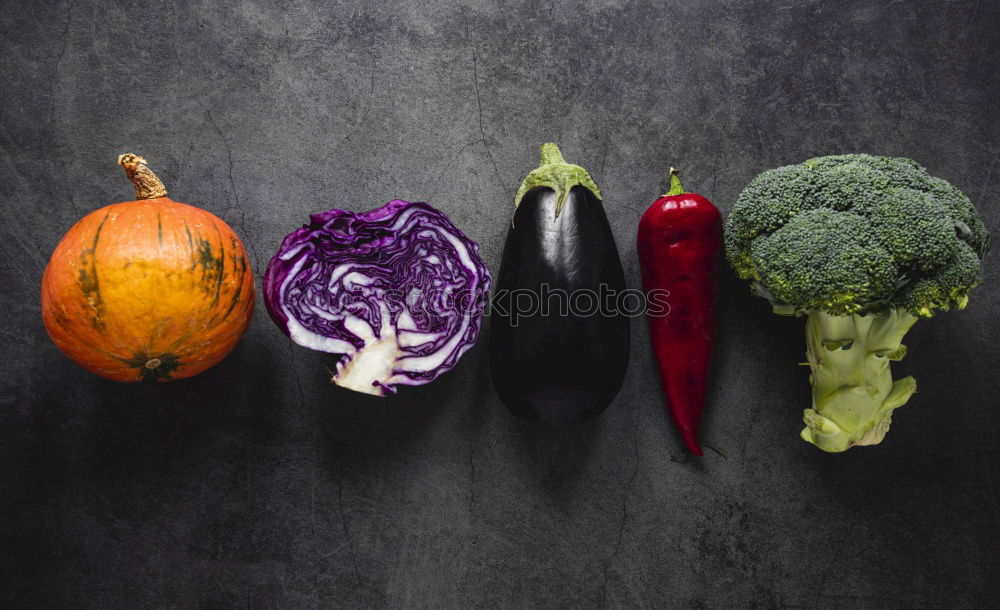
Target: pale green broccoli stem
{"x":853,"y":393}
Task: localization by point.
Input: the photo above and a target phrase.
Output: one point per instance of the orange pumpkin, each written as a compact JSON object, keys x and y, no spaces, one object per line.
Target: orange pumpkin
{"x":147,"y":290}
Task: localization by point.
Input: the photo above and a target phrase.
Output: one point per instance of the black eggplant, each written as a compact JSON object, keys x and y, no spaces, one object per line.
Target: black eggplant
{"x":558,"y":349}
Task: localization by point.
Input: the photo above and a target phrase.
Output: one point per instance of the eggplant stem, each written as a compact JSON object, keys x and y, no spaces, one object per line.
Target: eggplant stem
{"x":551,"y":154}
{"x":556,"y":174}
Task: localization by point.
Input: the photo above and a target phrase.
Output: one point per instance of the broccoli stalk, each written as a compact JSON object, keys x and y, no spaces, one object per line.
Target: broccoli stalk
{"x":849,"y":358}
{"x":863,"y":246}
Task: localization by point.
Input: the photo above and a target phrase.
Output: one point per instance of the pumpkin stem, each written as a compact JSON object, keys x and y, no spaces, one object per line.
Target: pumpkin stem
{"x":147,"y":185}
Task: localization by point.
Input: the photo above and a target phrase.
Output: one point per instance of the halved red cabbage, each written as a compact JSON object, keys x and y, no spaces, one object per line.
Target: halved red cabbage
{"x":398,"y":291}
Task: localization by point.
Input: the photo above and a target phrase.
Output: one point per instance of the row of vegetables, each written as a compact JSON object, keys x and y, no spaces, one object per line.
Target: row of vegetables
{"x":863,"y":246}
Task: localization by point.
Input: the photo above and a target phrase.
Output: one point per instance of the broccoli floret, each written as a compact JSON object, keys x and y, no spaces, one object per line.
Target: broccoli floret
{"x":784,"y":188}
{"x":863,"y":245}
{"x":821,"y":259}
{"x":947,"y":286}
{"x":914,"y":228}
{"x":972,"y":228}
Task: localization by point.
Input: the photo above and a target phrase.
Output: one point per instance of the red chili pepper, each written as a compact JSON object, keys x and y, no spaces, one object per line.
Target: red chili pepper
{"x":679,"y":237}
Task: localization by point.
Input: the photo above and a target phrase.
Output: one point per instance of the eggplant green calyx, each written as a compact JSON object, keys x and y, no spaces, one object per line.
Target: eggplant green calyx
{"x":675,"y":183}
{"x":557,"y":175}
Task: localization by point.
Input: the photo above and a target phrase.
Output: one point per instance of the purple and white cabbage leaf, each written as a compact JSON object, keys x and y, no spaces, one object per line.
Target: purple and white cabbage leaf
{"x":398,"y":291}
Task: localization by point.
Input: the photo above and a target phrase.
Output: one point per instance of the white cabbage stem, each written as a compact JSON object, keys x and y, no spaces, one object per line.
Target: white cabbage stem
{"x":370,"y":369}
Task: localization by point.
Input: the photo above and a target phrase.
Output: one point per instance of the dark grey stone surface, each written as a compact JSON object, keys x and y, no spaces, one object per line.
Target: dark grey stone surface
{"x":258,"y":484}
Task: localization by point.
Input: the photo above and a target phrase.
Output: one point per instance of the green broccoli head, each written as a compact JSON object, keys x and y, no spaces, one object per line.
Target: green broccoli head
{"x":848,"y":234}
{"x":863,"y":245}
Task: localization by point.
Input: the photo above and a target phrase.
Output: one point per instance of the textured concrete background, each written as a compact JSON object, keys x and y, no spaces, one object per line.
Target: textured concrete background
{"x":259,"y":484}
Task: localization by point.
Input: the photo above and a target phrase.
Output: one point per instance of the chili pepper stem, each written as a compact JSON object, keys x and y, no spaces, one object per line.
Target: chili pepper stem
{"x":675,"y":183}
